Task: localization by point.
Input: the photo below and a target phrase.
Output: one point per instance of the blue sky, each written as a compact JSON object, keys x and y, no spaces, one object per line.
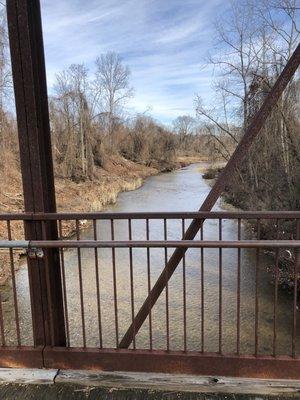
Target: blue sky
{"x":164,"y":42}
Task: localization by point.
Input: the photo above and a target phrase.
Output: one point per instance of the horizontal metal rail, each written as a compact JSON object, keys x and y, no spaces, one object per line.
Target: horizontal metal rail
{"x":232,"y":244}
{"x":152,"y":215}
{"x":14,"y":244}
{"x":207,"y":364}
{"x":111,"y":283}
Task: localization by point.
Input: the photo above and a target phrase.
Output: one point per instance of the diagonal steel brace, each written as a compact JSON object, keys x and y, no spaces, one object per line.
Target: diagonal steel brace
{"x":224,"y":178}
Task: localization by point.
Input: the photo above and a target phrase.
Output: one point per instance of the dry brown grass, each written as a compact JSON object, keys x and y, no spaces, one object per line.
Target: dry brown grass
{"x":117,"y":175}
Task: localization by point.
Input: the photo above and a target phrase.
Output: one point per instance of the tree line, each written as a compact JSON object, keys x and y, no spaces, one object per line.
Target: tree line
{"x":90,"y":121}
{"x":253,"y":44}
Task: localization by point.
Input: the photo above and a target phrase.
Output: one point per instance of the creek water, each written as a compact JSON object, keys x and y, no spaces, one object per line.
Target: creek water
{"x":181,"y":190}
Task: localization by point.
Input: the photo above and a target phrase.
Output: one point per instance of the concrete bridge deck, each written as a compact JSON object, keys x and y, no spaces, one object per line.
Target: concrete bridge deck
{"x":58,"y":384}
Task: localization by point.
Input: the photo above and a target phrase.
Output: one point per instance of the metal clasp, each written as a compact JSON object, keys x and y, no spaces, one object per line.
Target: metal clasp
{"x":34,"y":252}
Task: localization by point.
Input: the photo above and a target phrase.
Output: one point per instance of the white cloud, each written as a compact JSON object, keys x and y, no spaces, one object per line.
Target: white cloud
{"x":163,"y":42}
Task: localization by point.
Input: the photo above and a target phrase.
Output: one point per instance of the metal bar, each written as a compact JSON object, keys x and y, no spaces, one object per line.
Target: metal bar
{"x":13,"y":281}
{"x":14,"y":244}
{"x":37,"y":216}
{"x":16,"y":216}
{"x":256,"y":293}
{"x":29,"y":77}
{"x":173,"y":362}
{"x":202,"y":289}
{"x":275,"y":303}
{"x":3,"y":341}
{"x":80,"y":285}
{"x":21,"y":357}
{"x":131,"y":277}
{"x":276,"y":294}
{"x":64,"y":285}
{"x":167,"y":289}
{"x":149,"y":283}
{"x":115,"y":281}
{"x":295,"y":294}
{"x":184,"y":292}
{"x":98,"y":287}
{"x":220,"y":288}
{"x":250,"y":244}
{"x":48,"y":292}
{"x":238,"y":318}
{"x":223,"y":179}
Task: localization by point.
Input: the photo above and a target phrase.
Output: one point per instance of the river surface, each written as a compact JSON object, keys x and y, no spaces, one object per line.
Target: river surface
{"x":181,"y":190}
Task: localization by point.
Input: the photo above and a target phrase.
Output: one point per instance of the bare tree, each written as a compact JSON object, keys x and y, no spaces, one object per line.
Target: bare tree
{"x":5,"y":79}
{"x":253,"y":45}
{"x":112,"y":78}
{"x":217,"y":124}
{"x":184,"y":126}
{"x":71,"y":121}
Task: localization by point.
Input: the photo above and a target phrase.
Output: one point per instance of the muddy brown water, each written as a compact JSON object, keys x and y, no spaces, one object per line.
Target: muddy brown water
{"x":181,"y":190}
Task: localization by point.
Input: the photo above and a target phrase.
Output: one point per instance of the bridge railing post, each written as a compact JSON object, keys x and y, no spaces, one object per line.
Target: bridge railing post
{"x":30,"y":88}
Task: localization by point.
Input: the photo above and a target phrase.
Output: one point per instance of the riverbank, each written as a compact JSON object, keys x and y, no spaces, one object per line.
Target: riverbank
{"x":115,"y":176}
{"x":118,"y":175}
{"x":181,"y":190}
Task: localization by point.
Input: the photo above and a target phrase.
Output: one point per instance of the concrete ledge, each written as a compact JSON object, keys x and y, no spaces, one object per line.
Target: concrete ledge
{"x":180,"y":383}
{"x":68,"y":384}
{"x":27,"y":376}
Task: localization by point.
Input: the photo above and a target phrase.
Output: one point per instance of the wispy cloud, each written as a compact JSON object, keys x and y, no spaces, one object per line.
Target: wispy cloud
{"x":163,"y":42}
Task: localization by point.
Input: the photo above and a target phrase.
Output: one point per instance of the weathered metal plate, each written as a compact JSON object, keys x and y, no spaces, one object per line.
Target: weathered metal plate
{"x":172,"y":362}
{"x":21,"y":357}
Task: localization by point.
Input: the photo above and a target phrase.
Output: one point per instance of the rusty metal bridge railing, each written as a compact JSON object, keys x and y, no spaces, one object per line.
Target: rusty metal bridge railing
{"x":51,"y":315}
{"x":221,"y":313}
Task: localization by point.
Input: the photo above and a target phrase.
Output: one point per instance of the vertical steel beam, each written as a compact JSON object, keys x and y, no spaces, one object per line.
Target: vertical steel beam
{"x":28,"y":67}
{"x":224,"y":179}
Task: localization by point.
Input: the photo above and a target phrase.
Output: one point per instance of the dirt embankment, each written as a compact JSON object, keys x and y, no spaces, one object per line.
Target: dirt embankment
{"x":117,"y":175}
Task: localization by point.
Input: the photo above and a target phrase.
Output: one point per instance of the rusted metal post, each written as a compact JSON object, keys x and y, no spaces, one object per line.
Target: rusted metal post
{"x":28,"y":67}
{"x":224,"y":178}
